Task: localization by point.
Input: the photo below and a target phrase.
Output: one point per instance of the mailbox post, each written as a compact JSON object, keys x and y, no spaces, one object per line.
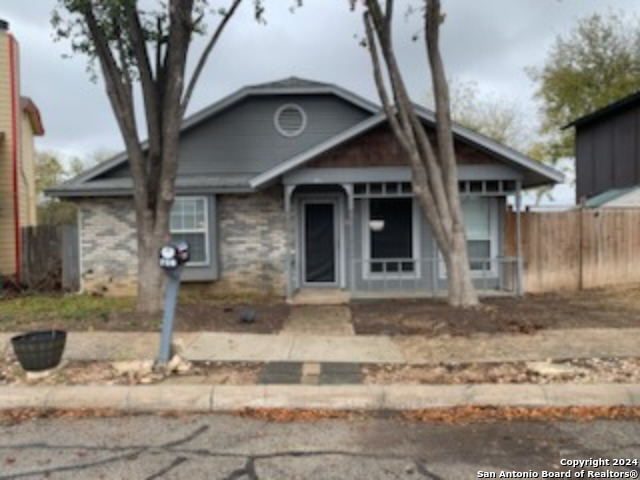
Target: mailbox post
{"x":171,"y":259}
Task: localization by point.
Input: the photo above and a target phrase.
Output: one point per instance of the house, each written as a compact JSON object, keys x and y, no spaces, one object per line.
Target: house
{"x":19,"y":123}
{"x":608,"y":149}
{"x":297,"y":186}
{"x":616,"y":198}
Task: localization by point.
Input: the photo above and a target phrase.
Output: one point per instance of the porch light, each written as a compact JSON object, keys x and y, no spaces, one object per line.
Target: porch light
{"x":376,"y":225}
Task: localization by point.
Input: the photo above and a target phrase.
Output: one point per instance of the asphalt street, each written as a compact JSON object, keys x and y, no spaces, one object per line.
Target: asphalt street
{"x":226,"y":447}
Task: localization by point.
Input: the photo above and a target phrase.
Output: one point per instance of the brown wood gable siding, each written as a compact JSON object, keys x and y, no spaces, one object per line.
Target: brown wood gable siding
{"x":379,"y":148}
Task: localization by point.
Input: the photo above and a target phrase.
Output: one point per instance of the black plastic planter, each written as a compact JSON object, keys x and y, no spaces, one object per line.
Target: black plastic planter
{"x":41,"y":350}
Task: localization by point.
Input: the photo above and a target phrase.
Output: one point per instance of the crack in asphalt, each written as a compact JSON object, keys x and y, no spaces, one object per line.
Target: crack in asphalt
{"x":421,"y":466}
{"x":132,"y":452}
{"x":174,"y":464}
{"x":70,"y":468}
{"x":137,"y":451}
{"x":187,"y":439}
{"x":249,"y":470}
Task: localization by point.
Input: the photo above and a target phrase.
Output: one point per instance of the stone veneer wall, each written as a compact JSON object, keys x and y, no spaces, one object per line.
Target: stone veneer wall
{"x":251,"y":250}
{"x":252,"y":233}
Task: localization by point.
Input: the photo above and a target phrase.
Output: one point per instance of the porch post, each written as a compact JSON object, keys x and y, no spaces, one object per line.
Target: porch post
{"x":520,"y":273}
{"x":348,"y":187}
{"x":288,"y":193}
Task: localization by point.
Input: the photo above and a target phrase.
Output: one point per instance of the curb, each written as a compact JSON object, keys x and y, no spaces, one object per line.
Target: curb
{"x":225,"y":398}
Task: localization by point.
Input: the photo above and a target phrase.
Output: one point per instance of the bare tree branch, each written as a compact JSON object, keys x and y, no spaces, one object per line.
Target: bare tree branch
{"x":149,"y":86}
{"x":411,"y":123}
{"x":205,"y":54}
{"x":122,"y":100}
{"x":433,"y":18}
{"x":389,"y":109}
{"x":434,"y":172}
{"x":404,"y":133}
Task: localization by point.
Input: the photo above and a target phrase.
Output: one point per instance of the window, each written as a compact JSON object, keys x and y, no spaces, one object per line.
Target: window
{"x":190,"y":223}
{"x":390,"y":235}
{"x":481,"y":224}
{"x":480,"y":218}
{"x":290,"y":120}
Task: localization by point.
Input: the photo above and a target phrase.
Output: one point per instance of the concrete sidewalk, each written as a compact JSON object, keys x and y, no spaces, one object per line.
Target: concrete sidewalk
{"x":239,"y":347}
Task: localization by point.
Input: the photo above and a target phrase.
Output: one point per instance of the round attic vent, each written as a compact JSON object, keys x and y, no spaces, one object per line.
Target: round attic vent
{"x":290,"y":120}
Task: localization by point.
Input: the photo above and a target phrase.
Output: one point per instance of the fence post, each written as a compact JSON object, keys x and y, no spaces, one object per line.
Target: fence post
{"x":520,"y":267}
{"x":581,"y":247}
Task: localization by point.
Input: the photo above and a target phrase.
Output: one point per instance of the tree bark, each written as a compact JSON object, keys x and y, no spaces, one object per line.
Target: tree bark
{"x":151,"y":283}
{"x":435,"y":181}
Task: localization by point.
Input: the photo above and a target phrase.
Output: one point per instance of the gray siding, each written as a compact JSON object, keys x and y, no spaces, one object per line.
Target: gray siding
{"x":243,"y":139}
{"x":608,"y":153}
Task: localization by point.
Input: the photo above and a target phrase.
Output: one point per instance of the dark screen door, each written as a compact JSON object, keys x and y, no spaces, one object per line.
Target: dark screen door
{"x":319,"y":248}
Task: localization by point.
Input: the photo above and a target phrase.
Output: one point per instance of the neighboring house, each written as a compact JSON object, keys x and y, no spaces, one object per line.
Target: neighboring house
{"x":19,"y":123}
{"x":297,"y":186}
{"x":608,"y":149}
{"x":616,"y":198}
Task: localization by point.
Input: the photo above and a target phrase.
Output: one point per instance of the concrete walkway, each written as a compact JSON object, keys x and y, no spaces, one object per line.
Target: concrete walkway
{"x":233,"y":347}
{"x":319,"y":320}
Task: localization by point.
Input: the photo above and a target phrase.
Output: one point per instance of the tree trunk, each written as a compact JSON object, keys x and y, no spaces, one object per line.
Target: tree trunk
{"x":149,"y":241}
{"x":150,"y":275}
{"x":461,"y":290}
{"x":435,"y":181}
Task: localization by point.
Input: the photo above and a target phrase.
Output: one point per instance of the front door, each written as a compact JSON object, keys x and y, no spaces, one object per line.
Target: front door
{"x":319,"y":243}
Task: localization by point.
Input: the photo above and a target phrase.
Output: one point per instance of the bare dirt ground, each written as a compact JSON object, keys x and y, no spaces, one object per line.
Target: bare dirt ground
{"x":595,"y":370}
{"x":205,"y":316}
{"x":611,"y":307}
{"x":615,"y":307}
{"x":134,"y":373}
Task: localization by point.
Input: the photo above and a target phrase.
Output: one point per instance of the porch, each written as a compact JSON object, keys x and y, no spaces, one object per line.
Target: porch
{"x":358,"y":233}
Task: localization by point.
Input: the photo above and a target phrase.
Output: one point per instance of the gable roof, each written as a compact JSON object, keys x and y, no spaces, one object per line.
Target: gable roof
{"x":540,"y":173}
{"x":536,"y":172}
{"x":629,"y":101}
{"x":290,"y":83}
{"x":287,"y":86}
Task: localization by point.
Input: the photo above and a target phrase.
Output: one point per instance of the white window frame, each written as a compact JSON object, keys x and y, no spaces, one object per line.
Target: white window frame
{"x":204,"y":230}
{"x":492,"y":272}
{"x":367,"y":274}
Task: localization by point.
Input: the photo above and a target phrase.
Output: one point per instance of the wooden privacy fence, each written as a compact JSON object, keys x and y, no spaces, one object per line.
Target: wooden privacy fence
{"x":582,"y":248}
{"x":50,"y":257}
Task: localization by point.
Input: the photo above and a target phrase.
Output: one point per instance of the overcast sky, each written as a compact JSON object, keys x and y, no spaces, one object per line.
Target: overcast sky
{"x":489,"y":42}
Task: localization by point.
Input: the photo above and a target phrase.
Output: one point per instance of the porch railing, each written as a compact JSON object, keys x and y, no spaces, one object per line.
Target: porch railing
{"x":497,"y":274}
